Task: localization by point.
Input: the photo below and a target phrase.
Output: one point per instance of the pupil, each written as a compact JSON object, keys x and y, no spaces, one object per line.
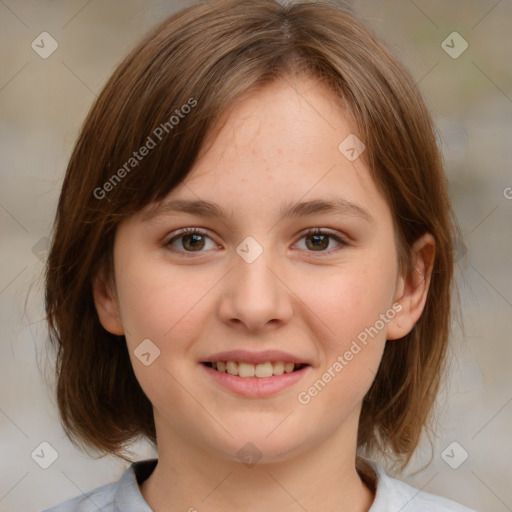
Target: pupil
{"x":196,"y":241}
{"x":320,"y":241}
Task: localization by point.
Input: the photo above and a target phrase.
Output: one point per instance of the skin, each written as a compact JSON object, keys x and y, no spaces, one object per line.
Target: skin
{"x":280,"y":144}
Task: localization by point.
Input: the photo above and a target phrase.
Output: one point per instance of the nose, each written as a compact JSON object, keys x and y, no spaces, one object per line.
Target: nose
{"x":256,"y":296}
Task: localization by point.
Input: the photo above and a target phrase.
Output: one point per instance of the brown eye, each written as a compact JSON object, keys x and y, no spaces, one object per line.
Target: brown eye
{"x":190,"y":240}
{"x":319,"y":240}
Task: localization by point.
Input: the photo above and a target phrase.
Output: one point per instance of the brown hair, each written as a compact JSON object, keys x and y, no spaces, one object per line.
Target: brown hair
{"x":207,"y":56}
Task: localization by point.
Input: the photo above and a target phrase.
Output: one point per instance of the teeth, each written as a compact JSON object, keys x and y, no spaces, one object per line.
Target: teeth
{"x":232,"y":368}
{"x":261,"y":370}
{"x":264,"y":370}
{"x":278,"y":368}
{"x":288,"y":367}
{"x":246,"y":370}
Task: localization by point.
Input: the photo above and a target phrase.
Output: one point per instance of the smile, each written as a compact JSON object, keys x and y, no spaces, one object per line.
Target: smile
{"x":260,"y":370}
{"x":255,"y":380}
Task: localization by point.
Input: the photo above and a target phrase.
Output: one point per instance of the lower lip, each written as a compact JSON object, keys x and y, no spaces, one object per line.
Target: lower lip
{"x":256,"y":387}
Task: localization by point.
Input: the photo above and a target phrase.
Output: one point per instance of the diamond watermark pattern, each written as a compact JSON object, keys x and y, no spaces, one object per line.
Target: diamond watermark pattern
{"x":146,"y":352}
{"x":454,"y":45}
{"x":454,"y":455}
{"x":351,"y":147}
{"x":44,"y":455}
{"x":40,"y":249}
{"x":249,"y":455}
{"x":44,"y":45}
{"x":249,"y":249}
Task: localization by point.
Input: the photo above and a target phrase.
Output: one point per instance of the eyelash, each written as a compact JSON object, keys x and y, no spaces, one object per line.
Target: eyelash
{"x":312,"y":231}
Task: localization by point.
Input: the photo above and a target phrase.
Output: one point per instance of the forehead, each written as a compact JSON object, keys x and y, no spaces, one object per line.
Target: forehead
{"x":280,"y":146}
{"x":283,"y":113}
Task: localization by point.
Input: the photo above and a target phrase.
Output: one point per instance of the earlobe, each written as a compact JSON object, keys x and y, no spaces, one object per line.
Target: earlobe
{"x":107,"y":305}
{"x":412,"y":289}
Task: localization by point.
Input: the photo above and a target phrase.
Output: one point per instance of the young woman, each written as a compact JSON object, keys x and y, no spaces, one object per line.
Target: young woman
{"x":251,"y":267}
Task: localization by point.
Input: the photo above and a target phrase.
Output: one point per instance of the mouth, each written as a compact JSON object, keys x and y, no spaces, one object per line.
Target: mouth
{"x":260,"y":370}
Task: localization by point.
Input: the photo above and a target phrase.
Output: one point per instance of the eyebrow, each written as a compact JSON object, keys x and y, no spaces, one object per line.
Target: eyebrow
{"x":288,"y":209}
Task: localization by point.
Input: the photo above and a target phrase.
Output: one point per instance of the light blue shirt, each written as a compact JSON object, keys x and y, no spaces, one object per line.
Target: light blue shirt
{"x":124,"y":495}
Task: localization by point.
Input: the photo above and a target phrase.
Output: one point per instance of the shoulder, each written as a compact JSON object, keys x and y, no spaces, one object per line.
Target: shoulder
{"x":393,"y":494}
{"x":121,"y":496}
{"x":101,"y":498}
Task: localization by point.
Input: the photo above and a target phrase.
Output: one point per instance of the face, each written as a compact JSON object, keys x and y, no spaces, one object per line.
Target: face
{"x":319,"y":284}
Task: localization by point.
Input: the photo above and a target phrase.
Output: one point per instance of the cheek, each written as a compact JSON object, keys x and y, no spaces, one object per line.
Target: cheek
{"x":352,"y":308}
{"x":162,"y":304}
{"x":152,"y":300}
{"x":350,"y":300}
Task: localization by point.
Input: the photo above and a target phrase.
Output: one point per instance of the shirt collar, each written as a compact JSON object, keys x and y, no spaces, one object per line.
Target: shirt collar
{"x":127,"y":497}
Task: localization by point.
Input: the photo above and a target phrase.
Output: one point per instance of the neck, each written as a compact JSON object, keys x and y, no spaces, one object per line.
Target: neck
{"x":323,"y":477}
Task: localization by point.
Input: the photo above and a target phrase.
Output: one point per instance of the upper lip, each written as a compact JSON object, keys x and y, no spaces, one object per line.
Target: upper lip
{"x":244,"y":356}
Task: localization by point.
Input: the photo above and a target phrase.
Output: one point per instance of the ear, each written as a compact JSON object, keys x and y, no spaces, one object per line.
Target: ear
{"x":412,"y":289}
{"x":106,"y":303}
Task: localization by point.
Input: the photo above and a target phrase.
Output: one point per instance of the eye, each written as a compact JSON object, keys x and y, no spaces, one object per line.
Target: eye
{"x":194,"y":240}
{"x":190,"y":240}
{"x":318,"y":240}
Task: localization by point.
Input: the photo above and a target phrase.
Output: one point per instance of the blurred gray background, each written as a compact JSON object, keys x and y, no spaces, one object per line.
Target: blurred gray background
{"x":43,"y":102}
